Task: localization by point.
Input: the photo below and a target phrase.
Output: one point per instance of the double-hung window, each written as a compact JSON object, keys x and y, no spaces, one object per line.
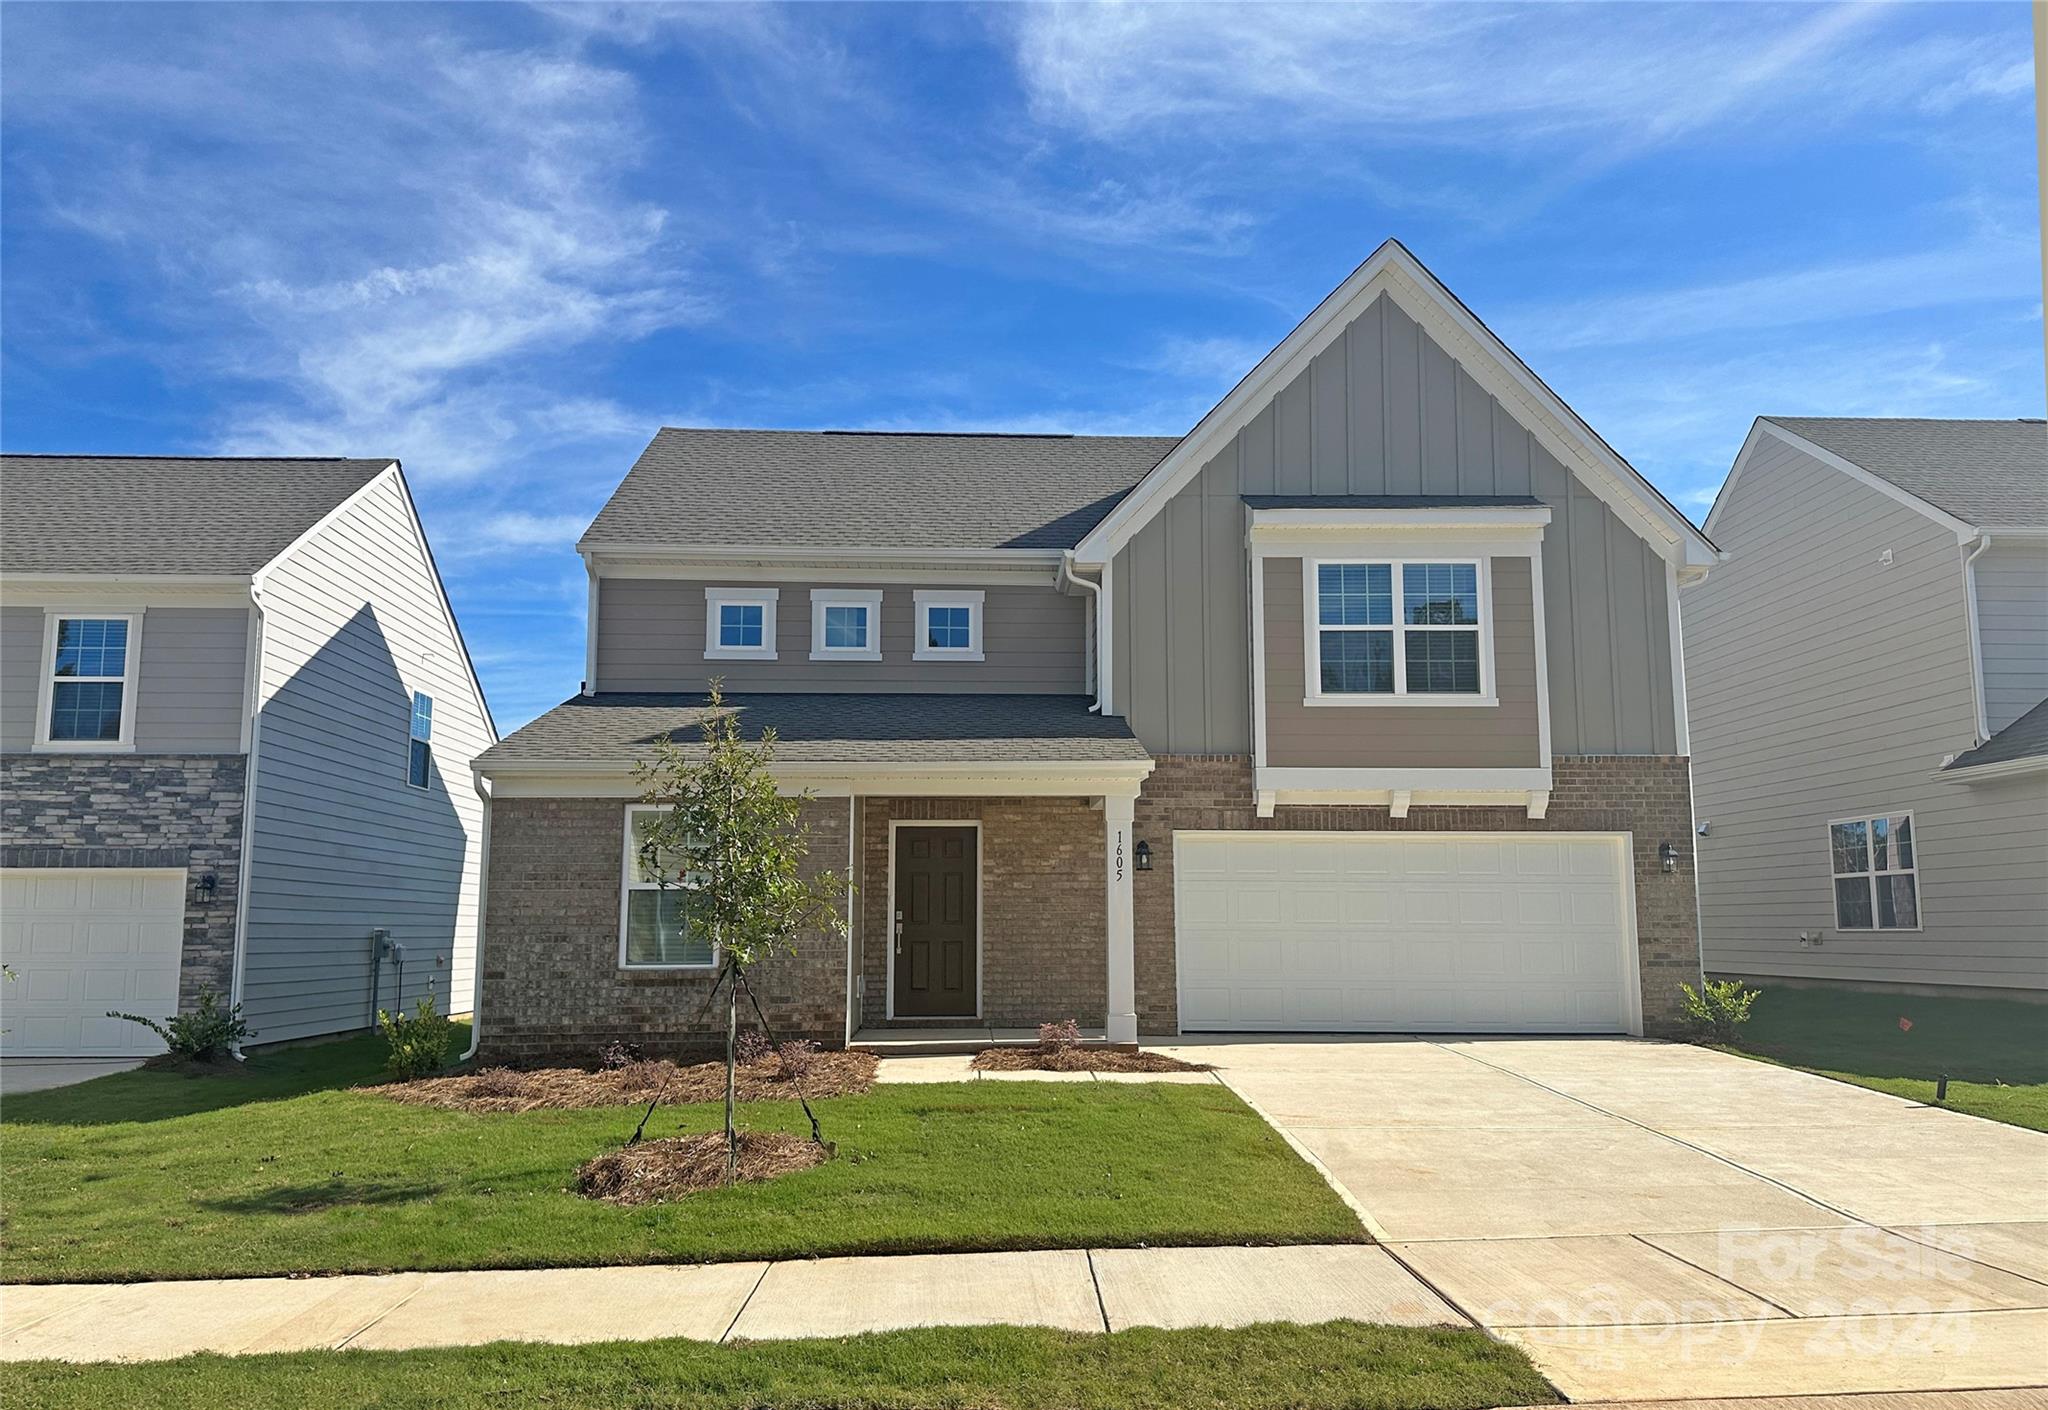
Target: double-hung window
{"x":658,"y":924}
{"x":846,"y":624}
{"x":1877,"y":881}
{"x":948,"y":625}
{"x":739,"y":623}
{"x":88,"y":683}
{"x":419,"y":761}
{"x":1398,"y":630}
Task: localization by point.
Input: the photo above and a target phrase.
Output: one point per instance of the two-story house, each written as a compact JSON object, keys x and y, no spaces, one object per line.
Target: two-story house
{"x":237,"y":722}
{"x":1359,"y":707}
{"x":1870,"y":733}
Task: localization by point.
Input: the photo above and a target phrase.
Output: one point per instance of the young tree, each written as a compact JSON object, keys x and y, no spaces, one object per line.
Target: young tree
{"x":734,"y":846}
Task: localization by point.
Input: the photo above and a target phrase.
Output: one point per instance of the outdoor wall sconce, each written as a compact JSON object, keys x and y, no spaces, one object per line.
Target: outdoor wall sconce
{"x":207,"y":885}
{"x":1667,"y":855}
{"x":1142,"y":855}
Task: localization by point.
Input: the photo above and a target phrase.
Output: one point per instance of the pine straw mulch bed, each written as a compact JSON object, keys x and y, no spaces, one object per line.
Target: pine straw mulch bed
{"x":1081,"y":1059}
{"x":656,"y":1171}
{"x":504,"y":1089}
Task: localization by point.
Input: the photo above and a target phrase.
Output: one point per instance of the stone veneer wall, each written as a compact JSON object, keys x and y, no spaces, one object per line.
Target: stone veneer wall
{"x":1044,"y":897}
{"x":553,"y":989}
{"x":1648,"y":796}
{"x":138,"y":810}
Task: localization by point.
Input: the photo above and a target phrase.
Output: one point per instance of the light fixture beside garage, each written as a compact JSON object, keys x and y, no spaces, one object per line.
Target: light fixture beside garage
{"x":207,"y":885}
{"x":1142,"y":855}
{"x":1667,"y":856}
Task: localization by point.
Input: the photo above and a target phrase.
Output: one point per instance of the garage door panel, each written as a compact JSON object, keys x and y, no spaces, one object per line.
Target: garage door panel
{"x":1395,"y":932}
{"x":84,"y":942}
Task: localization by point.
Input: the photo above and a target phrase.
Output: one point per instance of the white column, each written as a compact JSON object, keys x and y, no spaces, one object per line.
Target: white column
{"x":1123,"y":964}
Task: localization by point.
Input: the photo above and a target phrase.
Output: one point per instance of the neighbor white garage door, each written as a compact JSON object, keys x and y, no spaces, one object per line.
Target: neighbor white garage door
{"x":83,"y":941}
{"x":1404,"y":932}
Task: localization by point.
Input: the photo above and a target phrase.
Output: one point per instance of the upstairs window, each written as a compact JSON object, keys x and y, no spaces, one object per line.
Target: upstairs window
{"x":948,"y":626}
{"x":846,"y":624}
{"x":739,"y":623}
{"x":1877,"y":881}
{"x":419,"y":763}
{"x":1398,"y":631}
{"x":658,"y":927}
{"x":89,"y":701}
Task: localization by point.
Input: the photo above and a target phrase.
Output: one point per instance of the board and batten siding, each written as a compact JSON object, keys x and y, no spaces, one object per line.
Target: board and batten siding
{"x":341,"y":843}
{"x":1503,"y":736}
{"x":650,"y":637}
{"x":1827,"y":683}
{"x":2012,"y":625}
{"x":1386,"y":410}
{"x":189,"y":680}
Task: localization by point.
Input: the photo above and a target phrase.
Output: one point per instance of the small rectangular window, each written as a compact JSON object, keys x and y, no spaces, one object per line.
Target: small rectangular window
{"x":948,"y":624}
{"x":658,"y":927}
{"x":846,"y":624}
{"x":739,"y":623}
{"x":1424,"y":642}
{"x":419,"y":767}
{"x":91,"y":665}
{"x":1877,"y":881}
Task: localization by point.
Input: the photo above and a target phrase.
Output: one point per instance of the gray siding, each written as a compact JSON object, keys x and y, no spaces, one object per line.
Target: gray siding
{"x":1504,"y":736}
{"x":1385,"y":410}
{"x":189,"y":683}
{"x":353,"y":624}
{"x":650,"y":636}
{"x":2012,"y":625}
{"x":1827,"y":684}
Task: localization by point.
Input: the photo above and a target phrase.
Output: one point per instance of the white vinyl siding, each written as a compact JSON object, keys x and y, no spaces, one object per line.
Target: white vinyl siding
{"x":2012,"y":625}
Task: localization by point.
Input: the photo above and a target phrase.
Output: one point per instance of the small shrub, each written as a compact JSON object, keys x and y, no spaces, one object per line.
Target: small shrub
{"x":498,"y":1082}
{"x":203,"y":1035}
{"x":1059,"y":1037}
{"x":615,"y":1055}
{"x":419,"y":1041}
{"x":795,"y":1058}
{"x":753,"y":1045}
{"x":1719,"y":1007}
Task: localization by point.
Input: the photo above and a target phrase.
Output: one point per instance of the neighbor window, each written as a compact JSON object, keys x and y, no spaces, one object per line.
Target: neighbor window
{"x":658,"y":925}
{"x":948,"y":626}
{"x":91,"y":670}
{"x":846,"y":624}
{"x":1877,"y":881}
{"x":419,"y":764}
{"x":1398,"y":629}
{"x":739,"y":623}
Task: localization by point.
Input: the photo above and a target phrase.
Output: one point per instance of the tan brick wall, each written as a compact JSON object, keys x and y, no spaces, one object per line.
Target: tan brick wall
{"x":1649,"y":797}
{"x":552,"y":985}
{"x":1043,"y":897}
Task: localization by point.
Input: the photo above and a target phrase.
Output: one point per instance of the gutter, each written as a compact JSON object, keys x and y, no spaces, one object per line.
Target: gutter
{"x":1090,"y":666}
{"x":252,"y":700}
{"x":1976,"y":635}
{"x":476,"y":963}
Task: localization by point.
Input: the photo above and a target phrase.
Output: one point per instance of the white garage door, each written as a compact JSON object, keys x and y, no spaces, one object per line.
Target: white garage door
{"x":83,"y":941}
{"x":1404,"y":932}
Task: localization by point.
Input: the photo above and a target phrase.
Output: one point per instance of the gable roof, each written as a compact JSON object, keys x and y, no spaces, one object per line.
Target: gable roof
{"x":841,"y":490}
{"x":1988,"y":474}
{"x":128,"y":515}
{"x":1395,"y":272}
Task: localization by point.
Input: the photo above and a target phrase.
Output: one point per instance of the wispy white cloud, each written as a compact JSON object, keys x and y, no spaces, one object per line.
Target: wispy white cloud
{"x":1216,"y":360}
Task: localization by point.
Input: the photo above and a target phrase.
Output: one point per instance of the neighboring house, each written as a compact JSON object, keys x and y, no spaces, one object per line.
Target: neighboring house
{"x":236,"y":728}
{"x":1870,"y":759}
{"x":1359,"y":707}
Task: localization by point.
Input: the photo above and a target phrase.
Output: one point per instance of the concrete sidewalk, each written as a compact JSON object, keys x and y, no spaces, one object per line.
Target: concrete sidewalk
{"x":1075,"y":1290}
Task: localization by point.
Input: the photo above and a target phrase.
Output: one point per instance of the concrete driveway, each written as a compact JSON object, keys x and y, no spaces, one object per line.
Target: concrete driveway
{"x":1654,"y":1220}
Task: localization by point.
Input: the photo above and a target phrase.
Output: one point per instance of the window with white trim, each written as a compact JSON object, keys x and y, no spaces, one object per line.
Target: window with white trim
{"x":1395,"y":629}
{"x":948,"y":625}
{"x":846,"y":624}
{"x":739,"y":623}
{"x":419,"y":761}
{"x":658,"y":926}
{"x":1877,"y":881}
{"x":90,"y":677}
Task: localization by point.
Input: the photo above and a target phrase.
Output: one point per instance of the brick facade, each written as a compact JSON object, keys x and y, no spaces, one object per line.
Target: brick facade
{"x":553,"y":989}
{"x":138,"y":810}
{"x":1648,"y":797}
{"x":1044,"y":953}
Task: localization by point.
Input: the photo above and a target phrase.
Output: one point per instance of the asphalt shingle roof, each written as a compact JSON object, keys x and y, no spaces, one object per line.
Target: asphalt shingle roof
{"x":618,"y":728}
{"x":2024,"y":738}
{"x":163,"y":514}
{"x":1986,"y":473}
{"x":857,"y":489}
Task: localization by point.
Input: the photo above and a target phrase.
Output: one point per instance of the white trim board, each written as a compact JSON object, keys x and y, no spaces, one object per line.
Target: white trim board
{"x":889,"y":910}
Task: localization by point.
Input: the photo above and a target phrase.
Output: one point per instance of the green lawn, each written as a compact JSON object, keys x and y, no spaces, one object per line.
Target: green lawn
{"x":1995,"y":1051}
{"x":282,"y":1170}
{"x":1284,"y":1367}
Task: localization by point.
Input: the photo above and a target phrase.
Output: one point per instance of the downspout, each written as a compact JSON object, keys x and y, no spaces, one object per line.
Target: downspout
{"x":1091,"y":672}
{"x":252,"y":699}
{"x":1976,"y":636}
{"x":476,"y":963}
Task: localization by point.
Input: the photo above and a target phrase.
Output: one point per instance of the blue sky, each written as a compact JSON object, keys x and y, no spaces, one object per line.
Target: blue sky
{"x":505,"y":243}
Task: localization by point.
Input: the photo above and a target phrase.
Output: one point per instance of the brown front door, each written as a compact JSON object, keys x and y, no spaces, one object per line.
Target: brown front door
{"x":935,"y":922}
